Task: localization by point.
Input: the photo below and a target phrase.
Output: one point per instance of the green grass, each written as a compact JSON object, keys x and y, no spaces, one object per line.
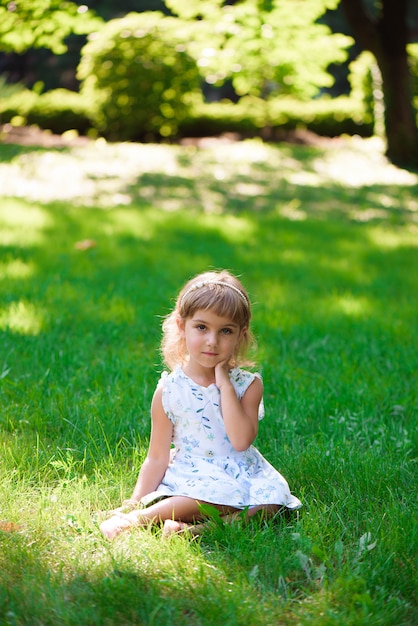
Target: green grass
{"x":325,"y":239}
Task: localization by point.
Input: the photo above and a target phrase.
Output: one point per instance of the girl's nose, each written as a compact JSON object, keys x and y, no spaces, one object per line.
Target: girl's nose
{"x":211,"y":339}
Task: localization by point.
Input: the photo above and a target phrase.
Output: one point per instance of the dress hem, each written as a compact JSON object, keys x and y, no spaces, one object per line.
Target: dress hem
{"x":156,"y":496}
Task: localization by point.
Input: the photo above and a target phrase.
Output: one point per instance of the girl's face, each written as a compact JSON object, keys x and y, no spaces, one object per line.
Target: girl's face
{"x":210,"y":339}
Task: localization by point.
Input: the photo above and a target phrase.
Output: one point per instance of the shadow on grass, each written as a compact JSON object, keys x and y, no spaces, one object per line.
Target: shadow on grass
{"x":141,"y":580}
{"x":9,"y":152}
{"x":30,"y":592}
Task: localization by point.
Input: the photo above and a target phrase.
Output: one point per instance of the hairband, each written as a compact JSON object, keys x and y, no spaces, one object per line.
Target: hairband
{"x":204,"y":283}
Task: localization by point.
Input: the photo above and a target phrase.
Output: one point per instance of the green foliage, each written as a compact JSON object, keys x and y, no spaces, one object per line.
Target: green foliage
{"x":61,"y":110}
{"x":366,"y":86}
{"x":413,"y":64}
{"x":324,"y":116}
{"x":140,"y":76}
{"x":17,"y":105}
{"x":361,"y":81}
{"x":28,"y":24}
{"x":264,"y":48}
{"x":58,"y":110}
{"x":270,"y":119}
{"x":9,"y":89}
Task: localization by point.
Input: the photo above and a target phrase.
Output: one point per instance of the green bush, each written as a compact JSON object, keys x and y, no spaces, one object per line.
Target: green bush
{"x":324,"y":116}
{"x":17,"y":105}
{"x":139,"y":74}
{"x":361,"y":79}
{"x":58,"y":110}
{"x":413,"y":64}
{"x":62,"y":110}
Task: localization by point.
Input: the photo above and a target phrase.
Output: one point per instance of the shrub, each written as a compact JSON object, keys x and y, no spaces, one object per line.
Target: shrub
{"x":17,"y":104}
{"x":58,"y":110}
{"x":324,"y":116}
{"x":364,"y":72}
{"x":413,"y":64}
{"x":138,"y":72}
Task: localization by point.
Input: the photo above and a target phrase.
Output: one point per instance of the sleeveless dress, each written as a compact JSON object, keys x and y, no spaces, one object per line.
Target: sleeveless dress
{"x":204,"y":465}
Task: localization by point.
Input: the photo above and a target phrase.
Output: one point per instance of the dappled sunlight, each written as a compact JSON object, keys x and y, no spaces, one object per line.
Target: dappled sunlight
{"x":292,"y":211}
{"x":248,"y":189}
{"x":132,"y":223}
{"x":219,"y":175}
{"x":347,"y":262}
{"x":368,"y":215}
{"x":304,"y":178}
{"x":22,"y":318}
{"x":19,"y":225}
{"x":390,"y":239}
{"x":360,"y":162}
{"x":234,"y":229}
{"x":16,"y":269}
{"x":349,"y":305}
{"x":118,"y":311}
{"x":293,"y":255}
{"x":96,"y":174}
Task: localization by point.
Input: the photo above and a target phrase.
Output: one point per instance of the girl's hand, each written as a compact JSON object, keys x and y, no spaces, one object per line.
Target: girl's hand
{"x":127,"y":507}
{"x":222,"y":373}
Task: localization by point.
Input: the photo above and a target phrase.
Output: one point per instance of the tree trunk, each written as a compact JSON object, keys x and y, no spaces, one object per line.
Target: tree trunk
{"x":386,"y":38}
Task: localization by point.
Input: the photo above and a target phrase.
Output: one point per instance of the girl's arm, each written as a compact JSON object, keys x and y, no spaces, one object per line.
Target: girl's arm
{"x":158,"y":456}
{"x":240,"y":416}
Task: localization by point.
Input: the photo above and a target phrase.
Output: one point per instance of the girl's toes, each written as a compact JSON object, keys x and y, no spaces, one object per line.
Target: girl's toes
{"x":116,"y":524}
{"x":171,"y":527}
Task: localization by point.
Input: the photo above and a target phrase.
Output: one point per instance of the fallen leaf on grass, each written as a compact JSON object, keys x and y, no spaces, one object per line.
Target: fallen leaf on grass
{"x":8,"y":527}
{"x":86,"y":244}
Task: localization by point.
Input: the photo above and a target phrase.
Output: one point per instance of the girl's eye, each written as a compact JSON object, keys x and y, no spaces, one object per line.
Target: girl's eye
{"x":201,"y":327}
{"x":226,"y":331}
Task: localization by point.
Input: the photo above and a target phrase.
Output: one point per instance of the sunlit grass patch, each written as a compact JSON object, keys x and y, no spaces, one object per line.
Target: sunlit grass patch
{"x":16,"y":269}
{"x":18,"y":226}
{"x":349,"y":305}
{"x":21,"y":318}
{"x":389,"y":238}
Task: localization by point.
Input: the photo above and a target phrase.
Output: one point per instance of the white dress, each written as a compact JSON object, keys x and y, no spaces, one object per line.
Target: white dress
{"x":204,"y":465}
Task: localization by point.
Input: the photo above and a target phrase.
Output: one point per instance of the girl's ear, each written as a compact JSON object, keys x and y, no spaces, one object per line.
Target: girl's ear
{"x":180,"y":325}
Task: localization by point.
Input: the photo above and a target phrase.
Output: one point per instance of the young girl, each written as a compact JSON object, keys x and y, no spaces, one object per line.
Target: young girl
{"x":205,"y":415}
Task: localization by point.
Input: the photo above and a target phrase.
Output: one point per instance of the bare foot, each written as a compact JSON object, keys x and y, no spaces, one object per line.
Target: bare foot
{"x":116,"y":524}
{"x":172,"y":527}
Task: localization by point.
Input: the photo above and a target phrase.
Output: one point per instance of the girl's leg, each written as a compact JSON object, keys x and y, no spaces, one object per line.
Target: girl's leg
{"x":176,"y":508}
{"x":174,"y":527}
{"x":269,"y":509}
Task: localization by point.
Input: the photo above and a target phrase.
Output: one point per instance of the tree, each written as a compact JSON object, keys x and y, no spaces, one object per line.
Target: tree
{"x":264,"y":47}
{"x":384,"y":32}
{"x":26,"y":24}
{"x":138,"y":76}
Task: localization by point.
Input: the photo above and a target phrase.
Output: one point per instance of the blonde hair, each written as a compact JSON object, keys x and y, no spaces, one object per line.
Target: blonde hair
{"x":223,"y":294}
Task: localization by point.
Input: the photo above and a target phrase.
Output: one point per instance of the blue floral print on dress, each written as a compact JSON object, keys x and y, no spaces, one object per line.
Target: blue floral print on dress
{"x":205,"y":466}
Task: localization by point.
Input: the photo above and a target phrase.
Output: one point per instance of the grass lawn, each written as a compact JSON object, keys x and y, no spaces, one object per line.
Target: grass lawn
{"x":95,"y":242}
